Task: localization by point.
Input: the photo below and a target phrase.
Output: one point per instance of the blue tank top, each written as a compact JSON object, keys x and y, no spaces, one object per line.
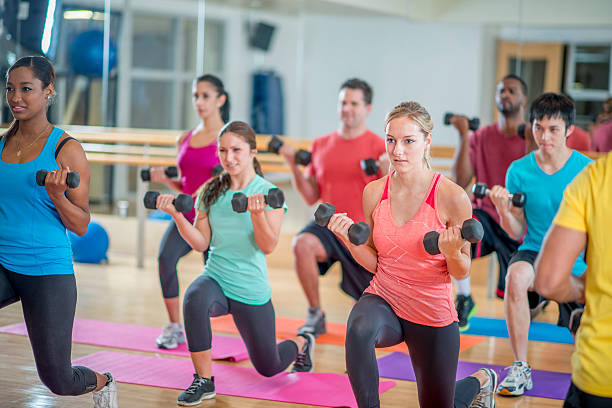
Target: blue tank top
{"x":33,"y":239}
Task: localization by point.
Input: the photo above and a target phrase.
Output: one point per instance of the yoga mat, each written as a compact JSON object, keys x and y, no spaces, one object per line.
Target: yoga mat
{"x":336,"y":332}
{"x":140,"y":338}
{"x":546,"y":384}
{"x":538,"y":331}
{"x":322,"y":389}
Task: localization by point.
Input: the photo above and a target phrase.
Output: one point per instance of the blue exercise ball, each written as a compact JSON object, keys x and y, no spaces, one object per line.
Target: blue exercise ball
{"x":91,"y":247}
{"x":87,"y":53}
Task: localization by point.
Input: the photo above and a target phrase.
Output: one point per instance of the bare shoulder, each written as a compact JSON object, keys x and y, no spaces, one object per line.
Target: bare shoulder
{"x":180,"y":138}
{"x":374,"y":189}
{"x":452,"y":199}
{"x":71,"y":153}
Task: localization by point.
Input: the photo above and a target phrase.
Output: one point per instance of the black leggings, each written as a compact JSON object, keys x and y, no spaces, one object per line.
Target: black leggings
{"x":434,"y":352}
{"x":205,"y":299}
{"x":576,"y":398}
{"x":48,"y":304}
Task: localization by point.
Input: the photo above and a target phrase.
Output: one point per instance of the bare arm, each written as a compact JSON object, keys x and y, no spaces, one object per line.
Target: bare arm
{"x":159,"y":176}
{"x":463,"y":171}
{"x":511,"y":219}
{"x":266,"y":224}
{"x":196,"y":235}
{"x":306,"y":186}
{"x":455,"y":209}
{"x":72,"y":204}
{"x":365,"y":254}
{"x":554,"y":279}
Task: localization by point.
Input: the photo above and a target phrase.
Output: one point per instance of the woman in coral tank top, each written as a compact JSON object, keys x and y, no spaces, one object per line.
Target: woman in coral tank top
{"x":410,"y":297}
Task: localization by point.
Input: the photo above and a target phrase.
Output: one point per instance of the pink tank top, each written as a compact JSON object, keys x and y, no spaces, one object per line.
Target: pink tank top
{"x":195,"y":164}
{"x":415,"y":284}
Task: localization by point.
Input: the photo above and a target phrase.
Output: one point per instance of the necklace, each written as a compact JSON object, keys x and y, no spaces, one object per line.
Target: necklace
{"x":19,"y":147}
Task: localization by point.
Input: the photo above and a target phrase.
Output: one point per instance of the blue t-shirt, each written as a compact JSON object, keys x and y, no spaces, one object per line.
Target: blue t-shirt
{"x":544,"y":193}
{"x":33,"y":239}
{"x":235,"y":261}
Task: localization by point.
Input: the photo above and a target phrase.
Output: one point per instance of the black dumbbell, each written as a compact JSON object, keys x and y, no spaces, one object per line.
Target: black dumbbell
{"x":218,"y":169}
{"x":473,"y":123}
{"x":370,"y":166}
{"x":480,"y":190}
{"x":275,"y":199}
{"x":72,"y":178}
{"x":302,"y":156}
{"x":171,"y":172}
{"x":471,"y":230}
{"x":521,"y":130}
{"x":358,"y":232}
{"x":182,"y":202}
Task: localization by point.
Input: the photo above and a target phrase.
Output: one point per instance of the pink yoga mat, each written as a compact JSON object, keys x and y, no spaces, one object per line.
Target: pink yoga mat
{"x":140,"y":338}
{"x":322,"y":389}
{"x":546,"y":384}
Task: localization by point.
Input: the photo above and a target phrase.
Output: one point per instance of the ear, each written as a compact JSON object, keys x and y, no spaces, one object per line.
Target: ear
{"x":428,"y":140}
{"x":49,"y":91}
{"x":569,"y":131}
{"x":221,"y":99}
{"x":369,"y":108}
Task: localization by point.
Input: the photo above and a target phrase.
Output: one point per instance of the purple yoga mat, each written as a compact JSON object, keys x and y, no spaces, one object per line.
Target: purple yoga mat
{"x":322,"y":389}
{"x":546,"y":384}
{"x":140,"y":338}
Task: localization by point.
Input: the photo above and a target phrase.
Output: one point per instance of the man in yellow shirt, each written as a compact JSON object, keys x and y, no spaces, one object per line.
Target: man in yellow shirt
{"x":584,"y":220}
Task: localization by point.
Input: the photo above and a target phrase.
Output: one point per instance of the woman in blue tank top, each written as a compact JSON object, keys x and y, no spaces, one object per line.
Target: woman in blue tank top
{"x":35,"y":256}
{"x":235,"y":278}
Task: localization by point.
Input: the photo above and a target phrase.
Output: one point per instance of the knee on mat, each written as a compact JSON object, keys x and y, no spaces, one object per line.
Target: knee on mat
{"x":266,"y":371}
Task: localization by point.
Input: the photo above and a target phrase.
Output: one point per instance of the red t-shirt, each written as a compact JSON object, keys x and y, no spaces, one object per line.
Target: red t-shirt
{"x":491,"y":152}
{"x":579,"y":140}
{"x":336,"y":167}
{"x":602,"y":137}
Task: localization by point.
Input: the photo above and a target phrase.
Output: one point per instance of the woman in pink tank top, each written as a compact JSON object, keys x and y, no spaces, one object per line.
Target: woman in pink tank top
{"x":197,"y":155}
{"x":410,"y":297}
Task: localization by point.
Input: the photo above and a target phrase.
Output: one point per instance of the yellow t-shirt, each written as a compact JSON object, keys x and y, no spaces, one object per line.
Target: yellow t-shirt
{"x":587,"y":207}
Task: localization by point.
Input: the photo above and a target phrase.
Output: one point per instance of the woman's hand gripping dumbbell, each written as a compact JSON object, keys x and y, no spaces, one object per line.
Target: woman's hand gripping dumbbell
{"x":301,"y":157}
{"x":158,"y":173}
{"x":498,"y":194}
{"x":167,"y":202}
{"x":358,"y":232}
{"x":258,"y":202}
{"x":71,"y":178}
{"x":471,"y":231}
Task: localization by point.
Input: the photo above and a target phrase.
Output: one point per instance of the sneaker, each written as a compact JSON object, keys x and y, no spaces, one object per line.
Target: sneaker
{"x":171,"y":336}
{"x":304,"y":361}
{"x":315,"y":322}
{"x":106,"y":397}
{"x":200,"y":389}
{"x":486,"y":395}
{"x":517,"y":381}
{"x":466,"y":308}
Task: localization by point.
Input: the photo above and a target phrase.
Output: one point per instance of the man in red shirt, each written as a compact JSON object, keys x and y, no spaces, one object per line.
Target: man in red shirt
{"x":335,"y":175}
{"x":485,"y":155}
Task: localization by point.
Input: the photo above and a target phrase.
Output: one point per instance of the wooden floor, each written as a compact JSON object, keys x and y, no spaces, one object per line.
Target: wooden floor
{"x":120,"y":292}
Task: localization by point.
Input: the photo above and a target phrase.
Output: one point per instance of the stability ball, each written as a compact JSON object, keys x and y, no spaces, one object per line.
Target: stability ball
{"x":87,"y":54}
{"x":91,"y":247}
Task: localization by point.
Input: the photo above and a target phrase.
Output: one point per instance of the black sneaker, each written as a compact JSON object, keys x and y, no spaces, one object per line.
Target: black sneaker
{"x":466,"y":308}
{"x":315,"y":322}
{"x":304,"y":361}
{"x":201,"y":388}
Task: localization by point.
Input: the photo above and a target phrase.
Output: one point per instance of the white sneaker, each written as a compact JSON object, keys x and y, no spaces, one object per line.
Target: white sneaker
{"x":486,"y":395}
{"x":517,"y":381}
{"x":107,"y":396}
{"x":172,"y":335}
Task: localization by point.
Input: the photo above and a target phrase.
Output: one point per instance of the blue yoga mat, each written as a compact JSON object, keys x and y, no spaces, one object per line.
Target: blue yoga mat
{"x":538,"y":331}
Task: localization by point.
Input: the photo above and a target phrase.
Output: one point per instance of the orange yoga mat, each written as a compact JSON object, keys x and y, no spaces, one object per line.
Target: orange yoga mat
{"x":287,"y":327}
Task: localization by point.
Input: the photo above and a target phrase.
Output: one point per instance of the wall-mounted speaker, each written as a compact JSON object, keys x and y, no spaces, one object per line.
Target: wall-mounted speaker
{"x":261,"y":36}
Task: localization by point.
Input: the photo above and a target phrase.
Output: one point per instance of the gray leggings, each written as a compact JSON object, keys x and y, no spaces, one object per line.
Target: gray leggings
{"x":48,"y":304}
{"x":172,"y":248}
{"x":434,"y":352}
{"x":205,"y":299}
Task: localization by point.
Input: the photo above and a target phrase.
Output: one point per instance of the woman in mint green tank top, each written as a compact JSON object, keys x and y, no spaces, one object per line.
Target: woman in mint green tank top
{"x":235,"y":278}
{"x":35,"y":256}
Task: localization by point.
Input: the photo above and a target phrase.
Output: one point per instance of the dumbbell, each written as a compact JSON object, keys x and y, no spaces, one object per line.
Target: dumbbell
{"x":275,"y":199}
{"x":302,"y":156}
{"x":182,"y":202}
{"x":358,"y":232}
{"x":471,"y":230}
{"x":521,"y":130}
{"x":370,"y":166}
{"x":72,"y":178}
{"x":480,"y":190}
{"x":218,"y":169}
{"x":473,"y":124}
{"x":171,"y":172}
